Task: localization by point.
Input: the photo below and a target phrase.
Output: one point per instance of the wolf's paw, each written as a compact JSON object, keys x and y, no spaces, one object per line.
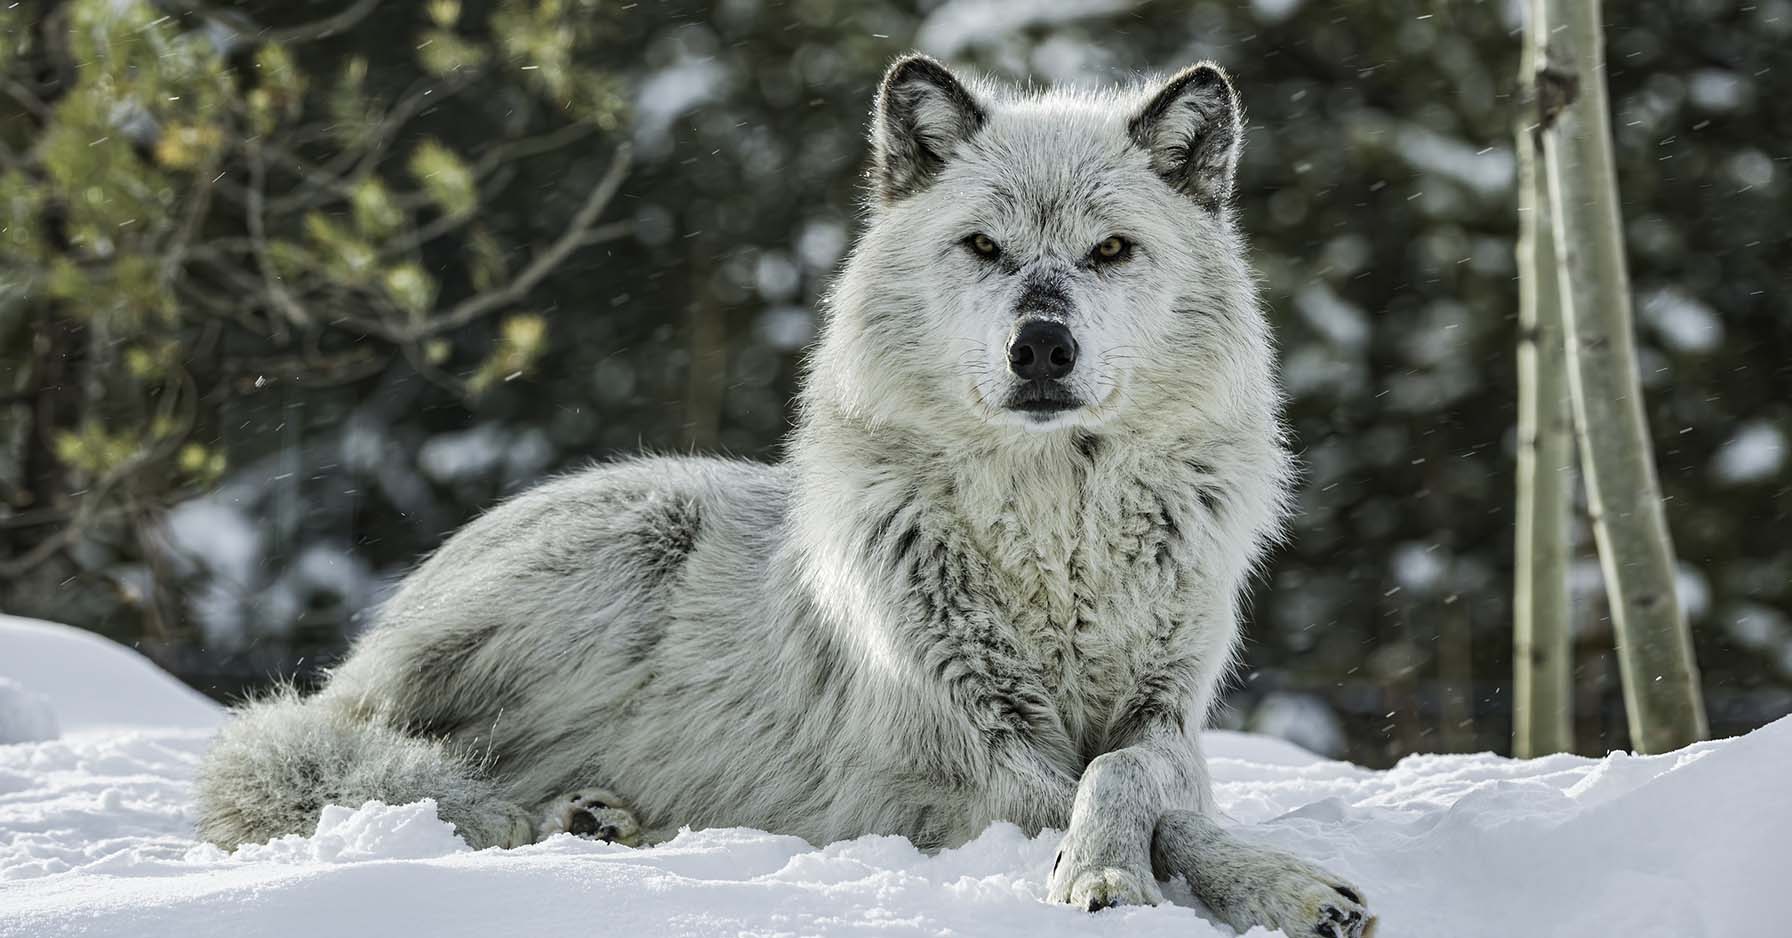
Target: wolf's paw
{"x":592,"y":813}
{"x":1302,"y":900}
{"x":1090,"y":877}
{"x":1104,"y":888}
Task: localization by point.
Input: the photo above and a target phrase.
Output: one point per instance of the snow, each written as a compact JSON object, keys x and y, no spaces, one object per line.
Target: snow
{"x":1305,"y":720}
{"x":373,"y":831}
{"x":1341,"y":322}
{"x":1757,"y":452}
{"x":667,"y":94}
{"x":92,"y":683}
{"x":1274,"y":11}
{"x":1684,"y":322}
{"x":25,"y":715}
{"x":483,"y":452}
{"x":1717,"y":89}
{"x":1487,"y":170}
{"x":959,"y":25}
{"x":786,"y":328}
{"x":95,"y":840}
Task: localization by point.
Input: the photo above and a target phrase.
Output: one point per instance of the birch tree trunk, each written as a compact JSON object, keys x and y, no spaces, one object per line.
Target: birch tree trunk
{"x":1661,"y":681}
{"x":1542,"y":708}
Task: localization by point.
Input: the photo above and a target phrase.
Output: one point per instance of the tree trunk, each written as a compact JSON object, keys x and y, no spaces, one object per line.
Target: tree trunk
{"x":1661,"y":681}
{"x":1542,"y":708}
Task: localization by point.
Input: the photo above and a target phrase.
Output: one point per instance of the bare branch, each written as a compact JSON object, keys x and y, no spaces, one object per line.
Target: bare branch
{"x":497,"y":169}
{"x":199,"y":202}
{"x":609,"y":232}
{"x":526,"y":147}
{"x":257,"y":222}
{"x":575,"y":235}
{"x":313,"y":369}
{"x":219,"y":307}
{"x":40,"y":552}
{"x":352,"y":166}
{"x":323,"y":28}
{"x":25,"y":98}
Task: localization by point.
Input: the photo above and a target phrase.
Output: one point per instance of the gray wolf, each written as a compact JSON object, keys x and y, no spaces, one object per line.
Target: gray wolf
{"x":997,"y":577}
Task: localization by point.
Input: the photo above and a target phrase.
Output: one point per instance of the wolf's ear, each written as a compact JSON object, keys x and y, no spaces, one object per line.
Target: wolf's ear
{"x":1192,"y":129}
{"x":922,"y":115}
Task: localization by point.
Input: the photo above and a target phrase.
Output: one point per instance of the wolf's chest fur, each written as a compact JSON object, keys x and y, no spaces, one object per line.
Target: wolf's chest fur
{"x":1094,"y":565}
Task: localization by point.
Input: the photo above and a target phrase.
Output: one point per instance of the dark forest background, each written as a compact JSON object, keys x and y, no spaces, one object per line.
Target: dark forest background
{"x":271,"y":325}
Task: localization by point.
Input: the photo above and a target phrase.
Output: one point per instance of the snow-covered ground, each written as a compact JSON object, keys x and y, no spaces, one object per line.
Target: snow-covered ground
{"x":96,"y":839}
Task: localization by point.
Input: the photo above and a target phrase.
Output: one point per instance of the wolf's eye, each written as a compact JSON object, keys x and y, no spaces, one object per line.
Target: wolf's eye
{"x":1112,"y":248}
{"x":982,"y":244}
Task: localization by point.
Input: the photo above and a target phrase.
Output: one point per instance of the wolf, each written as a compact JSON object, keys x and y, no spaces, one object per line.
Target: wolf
{"x":996,"y":577}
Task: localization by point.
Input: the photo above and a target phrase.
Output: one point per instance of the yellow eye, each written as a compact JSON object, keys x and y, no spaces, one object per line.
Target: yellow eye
{"x":983,"y":245}
{"x":1112,"y":249}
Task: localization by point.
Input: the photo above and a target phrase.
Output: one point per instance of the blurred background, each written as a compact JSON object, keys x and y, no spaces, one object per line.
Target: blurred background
{"x":291,"y":289}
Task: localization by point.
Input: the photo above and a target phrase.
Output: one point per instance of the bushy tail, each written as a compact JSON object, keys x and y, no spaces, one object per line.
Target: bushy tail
{"x":273,"y":768}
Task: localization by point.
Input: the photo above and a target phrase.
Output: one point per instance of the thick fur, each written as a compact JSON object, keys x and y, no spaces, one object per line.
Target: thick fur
{"x":938,"y":611}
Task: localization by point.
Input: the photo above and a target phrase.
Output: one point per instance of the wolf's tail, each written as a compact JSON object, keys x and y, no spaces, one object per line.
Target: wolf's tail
{"x":273,"y":768}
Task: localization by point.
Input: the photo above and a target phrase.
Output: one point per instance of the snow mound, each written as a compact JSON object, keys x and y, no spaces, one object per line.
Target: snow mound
{"x":94,"y":683}
{"x":25,"y":714}
{"x":96,"y":839}
{"x":374,"y":831}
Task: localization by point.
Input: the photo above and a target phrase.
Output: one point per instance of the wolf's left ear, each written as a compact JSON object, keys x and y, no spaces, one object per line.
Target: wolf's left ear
{"x":923,"y":113}
{"x":1192,"y":129}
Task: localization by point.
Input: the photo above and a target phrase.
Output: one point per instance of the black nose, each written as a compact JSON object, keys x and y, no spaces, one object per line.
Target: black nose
{"x":1041,"y":349}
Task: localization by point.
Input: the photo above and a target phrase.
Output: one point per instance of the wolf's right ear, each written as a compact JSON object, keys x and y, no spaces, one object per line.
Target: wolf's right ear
{"x":923,"y":113}
{"x":1192,"y":130}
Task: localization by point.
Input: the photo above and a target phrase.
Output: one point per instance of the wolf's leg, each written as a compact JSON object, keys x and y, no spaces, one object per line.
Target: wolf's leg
{"x":1105,"y":858}
{"x":1247,"y":885}
{"x":274,"y":767}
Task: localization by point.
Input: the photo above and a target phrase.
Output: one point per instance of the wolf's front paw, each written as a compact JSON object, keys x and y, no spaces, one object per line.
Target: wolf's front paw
{"x":1090,"y":878}
{"x":593,"y":813}
{"x":1104,"y":888}
{"x":1301,"y":899}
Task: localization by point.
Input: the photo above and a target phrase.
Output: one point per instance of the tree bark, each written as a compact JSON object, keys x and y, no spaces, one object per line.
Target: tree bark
{"x":1542,"y":707}
{"x":1661,"y":680}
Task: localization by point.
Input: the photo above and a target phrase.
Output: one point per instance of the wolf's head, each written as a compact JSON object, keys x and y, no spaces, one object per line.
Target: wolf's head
{"x":1035,"y":262}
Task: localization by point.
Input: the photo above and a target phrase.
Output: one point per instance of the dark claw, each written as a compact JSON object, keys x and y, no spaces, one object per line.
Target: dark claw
{"x":1057,"y":860}
{"x":1096,"y":905}
{"x":1326,"y":930}
{"x":1334,"y":913}
{"x":1349,"y":893}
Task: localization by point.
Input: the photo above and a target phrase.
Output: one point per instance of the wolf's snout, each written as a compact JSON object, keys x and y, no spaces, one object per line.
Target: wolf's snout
{"x":1041,"y":349}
